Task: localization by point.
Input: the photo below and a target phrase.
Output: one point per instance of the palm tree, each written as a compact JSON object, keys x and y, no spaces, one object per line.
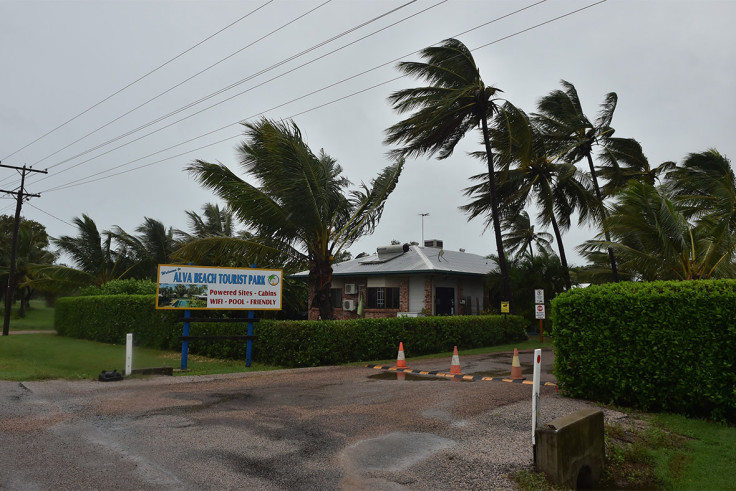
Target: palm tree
{"x":96,"y":261}
{"x":572,"y":135}
{"x":522,"y":236}
{"x":530,"y":173}
{"x":455,"y":101}
{"x":297,"y":204}
{"x":214,"y":221}
{"x":655,"y":241}
{"x":154,"y":245}
{"x":705,"y":186}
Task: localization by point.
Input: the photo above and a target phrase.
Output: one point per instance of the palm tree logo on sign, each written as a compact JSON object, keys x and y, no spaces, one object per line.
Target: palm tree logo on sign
{"x":273,"y":280}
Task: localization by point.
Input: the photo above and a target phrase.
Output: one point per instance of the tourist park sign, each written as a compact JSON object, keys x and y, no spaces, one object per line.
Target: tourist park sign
{"x":201,"y":287}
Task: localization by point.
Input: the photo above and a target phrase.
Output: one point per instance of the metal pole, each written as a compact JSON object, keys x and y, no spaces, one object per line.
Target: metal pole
{"x":535,"y":399}
{"x":185,"y":343}
{"x":249,"y":341}
{"x":128,"y":354}
{"x":541,"y":330}
{"x":423,"y":215}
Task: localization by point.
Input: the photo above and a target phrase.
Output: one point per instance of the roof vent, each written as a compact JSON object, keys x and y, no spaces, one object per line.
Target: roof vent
{"x":435,"y":243}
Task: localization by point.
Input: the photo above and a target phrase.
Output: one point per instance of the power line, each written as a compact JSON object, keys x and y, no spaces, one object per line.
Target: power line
{"x":169,"y":90}
{"x":76,"y":182}
{"x":219,"y":91}
{"x":150,"y":123}
{"x":138,"y":79}
{"x":84,"y":181}
{"x":49,"y":214}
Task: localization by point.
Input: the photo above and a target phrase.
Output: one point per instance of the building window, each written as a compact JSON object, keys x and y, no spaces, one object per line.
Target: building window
{"x":336,"y":297}
{"x":383,"y":298}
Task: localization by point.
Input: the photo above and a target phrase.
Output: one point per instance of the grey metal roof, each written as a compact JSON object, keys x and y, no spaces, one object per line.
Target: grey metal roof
{"x":417,"y":260}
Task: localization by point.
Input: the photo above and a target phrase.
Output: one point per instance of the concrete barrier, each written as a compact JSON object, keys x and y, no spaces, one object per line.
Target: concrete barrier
{"x":571,"y":449}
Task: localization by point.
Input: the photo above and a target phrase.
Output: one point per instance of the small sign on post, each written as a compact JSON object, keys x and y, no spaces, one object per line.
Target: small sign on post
{"x":539,"y":312}
{"x":538,"y":296}
{"x":504,"y":307}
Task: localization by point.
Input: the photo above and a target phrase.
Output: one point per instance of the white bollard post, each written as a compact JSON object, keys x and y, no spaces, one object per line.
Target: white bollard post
{"x":535,"y":398}
{"x":128,"y":354}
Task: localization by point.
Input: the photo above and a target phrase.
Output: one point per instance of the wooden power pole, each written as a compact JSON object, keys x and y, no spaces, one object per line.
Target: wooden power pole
{"x":21,"y":195}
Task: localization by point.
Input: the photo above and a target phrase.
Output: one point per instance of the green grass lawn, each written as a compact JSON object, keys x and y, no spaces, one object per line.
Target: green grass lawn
{"x":38,"y":318}
{"x":48,"y":356}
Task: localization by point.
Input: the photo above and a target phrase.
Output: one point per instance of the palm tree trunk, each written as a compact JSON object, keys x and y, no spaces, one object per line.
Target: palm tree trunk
{"x":611,"y":257}
{"x":321,"y":278}
{"x":561,"y":248}
{"x":495,"y":215}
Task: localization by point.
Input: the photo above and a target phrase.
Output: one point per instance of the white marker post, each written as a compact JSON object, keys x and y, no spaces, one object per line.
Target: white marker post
{"x":128,"y":354}
{"x":535,"y":399}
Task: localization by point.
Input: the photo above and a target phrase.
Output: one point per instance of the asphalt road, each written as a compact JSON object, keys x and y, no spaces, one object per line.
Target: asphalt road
{"x":319,"y":428}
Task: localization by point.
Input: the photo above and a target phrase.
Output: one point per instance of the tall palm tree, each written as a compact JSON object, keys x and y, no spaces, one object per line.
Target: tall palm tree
{"x":297,"y":204}
{"x":455,"y":101}
{"x":531,"y":174}
{"x":572,"y":135}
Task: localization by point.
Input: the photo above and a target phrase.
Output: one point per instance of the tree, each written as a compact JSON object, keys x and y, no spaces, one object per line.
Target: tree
{"x":654,"y":240}
{"x":214,"y":221}
{"x":522,"y":236}
{"x":530,"y":173}
{"x":153,"y":245}
{"x":455,"y":101}
{"x":297,"y":204}
{"x":33,"y":242}
{"x":96,"y":261}
{"x":572,"y":135}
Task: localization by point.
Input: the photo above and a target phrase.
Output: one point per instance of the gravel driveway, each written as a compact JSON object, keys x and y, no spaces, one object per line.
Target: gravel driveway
{"x":315,"y":428}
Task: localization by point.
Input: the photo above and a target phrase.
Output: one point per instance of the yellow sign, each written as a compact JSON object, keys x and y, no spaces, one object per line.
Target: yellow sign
{"x":504,"y":307}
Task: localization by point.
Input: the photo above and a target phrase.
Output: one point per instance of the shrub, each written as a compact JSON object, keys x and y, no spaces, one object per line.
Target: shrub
{"x":659,"y":346}
{"x":107,"y":318}
{"x":122,"y":287}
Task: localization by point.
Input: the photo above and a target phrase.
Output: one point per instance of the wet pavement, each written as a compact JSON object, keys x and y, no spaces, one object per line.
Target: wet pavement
{"x":316,"y":428}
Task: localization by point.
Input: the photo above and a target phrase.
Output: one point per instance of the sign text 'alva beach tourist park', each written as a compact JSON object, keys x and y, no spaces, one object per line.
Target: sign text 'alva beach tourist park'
{"x":203,"y":287}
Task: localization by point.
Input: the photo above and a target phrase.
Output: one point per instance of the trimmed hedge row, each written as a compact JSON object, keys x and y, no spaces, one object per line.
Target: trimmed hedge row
{"x":284,"y":343}
{"x":659,"y":346}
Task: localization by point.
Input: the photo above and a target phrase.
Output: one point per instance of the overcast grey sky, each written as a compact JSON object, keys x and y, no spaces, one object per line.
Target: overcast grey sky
{"x":672,"y":64}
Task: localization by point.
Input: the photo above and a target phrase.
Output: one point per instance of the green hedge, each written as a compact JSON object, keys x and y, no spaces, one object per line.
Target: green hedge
{"x":284,"y":343}
{"x":659,"y":346}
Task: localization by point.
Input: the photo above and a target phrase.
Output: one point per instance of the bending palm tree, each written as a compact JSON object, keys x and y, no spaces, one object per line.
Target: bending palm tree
{"x":96,"y":261}
{"x":302,"y":211}
{"x":572,"y":135}
{"x":153,"y":246}
{"x":557,"y":188}
{"x":455,"y":101}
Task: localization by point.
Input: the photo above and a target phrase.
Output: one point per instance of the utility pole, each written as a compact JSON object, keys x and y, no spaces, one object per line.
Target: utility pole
{"x":11,"y":271}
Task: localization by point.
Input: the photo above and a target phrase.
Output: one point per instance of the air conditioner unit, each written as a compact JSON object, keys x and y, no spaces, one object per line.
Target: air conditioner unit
{"x":348,"y":305}
{"x":351,"y":288}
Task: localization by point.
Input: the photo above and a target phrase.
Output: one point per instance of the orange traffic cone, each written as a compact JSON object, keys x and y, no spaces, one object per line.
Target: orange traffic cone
{"x":516,"y":367}
{"x":400,"y":360}
{"x":455,"y":363}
